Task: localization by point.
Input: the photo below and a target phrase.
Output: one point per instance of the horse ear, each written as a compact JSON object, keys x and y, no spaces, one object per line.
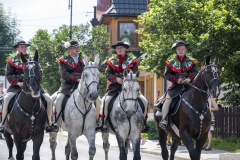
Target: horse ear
{"x":125,"y":73}
{"x":207,"y":60}
{"x":137,"y":74}
{"x":85,"y":60}
{"x":23,"y":58}
{"x":36,"y":56}
{"x":216,"y":60}
{"x":96,"y":59}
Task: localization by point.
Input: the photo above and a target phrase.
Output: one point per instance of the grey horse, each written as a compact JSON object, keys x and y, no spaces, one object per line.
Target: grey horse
{"x":80,"y":112}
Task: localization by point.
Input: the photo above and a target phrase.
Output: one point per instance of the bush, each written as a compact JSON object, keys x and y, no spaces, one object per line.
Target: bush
{"x":153,"y":132}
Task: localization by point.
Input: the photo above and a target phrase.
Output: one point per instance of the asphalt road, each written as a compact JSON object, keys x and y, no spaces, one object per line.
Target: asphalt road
{"x":45,"y":151}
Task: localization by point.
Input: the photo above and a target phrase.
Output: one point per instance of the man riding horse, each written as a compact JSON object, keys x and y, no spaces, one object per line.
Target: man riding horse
{"x":179,"y":69}
{"x":14,"y":75}
{"x":71,"y":68}
{"x":114,"y":73}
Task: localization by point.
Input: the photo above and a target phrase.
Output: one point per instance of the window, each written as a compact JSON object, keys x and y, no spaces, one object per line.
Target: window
{"x":127,"y":33}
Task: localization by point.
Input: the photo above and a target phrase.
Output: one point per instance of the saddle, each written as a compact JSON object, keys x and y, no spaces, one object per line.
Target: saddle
{"x":174,"y":106}
{"x":110,"y":107}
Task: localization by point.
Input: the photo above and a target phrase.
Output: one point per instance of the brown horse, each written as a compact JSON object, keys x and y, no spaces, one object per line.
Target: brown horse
{"x":27,"y":118}
{"x":192,"y":121}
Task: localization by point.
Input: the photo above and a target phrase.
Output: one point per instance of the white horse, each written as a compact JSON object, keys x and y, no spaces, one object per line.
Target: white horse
{"x":126,"y":118}
{"x":80,"y":112}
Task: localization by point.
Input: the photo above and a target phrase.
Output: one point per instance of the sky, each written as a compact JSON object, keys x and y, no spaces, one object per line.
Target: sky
{"x":48,"y":14}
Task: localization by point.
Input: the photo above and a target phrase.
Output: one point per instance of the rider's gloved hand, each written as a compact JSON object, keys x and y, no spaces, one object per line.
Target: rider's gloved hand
{"x":187,"y":80}
{"x":119,"y":80}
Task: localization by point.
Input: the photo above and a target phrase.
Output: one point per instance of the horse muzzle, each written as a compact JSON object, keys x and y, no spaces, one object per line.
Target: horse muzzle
{"x":93,"y":96}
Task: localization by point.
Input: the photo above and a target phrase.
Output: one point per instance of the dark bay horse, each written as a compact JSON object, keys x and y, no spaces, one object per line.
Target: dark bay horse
{"x":27,"y":119}
{"x":192,"y":120}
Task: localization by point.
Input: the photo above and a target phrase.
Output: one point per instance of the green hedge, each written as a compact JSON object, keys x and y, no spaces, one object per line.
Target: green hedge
{"x":153,"y":132}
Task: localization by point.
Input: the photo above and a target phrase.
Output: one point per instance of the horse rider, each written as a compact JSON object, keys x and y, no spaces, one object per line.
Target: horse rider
{"x":114,"y":73}
{"x":14,"y":75}
{"x":71,"y":67}
{"x":179,"y":69}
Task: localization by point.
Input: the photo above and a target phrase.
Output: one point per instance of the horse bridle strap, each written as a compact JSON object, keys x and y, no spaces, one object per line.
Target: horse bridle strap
{"x":84,"y":115}
{"x":87,"y":86}
{"x":201,"y":115}
{"x":30,"y":116}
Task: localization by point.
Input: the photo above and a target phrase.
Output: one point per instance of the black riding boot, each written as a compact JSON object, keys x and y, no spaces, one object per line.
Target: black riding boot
{"x":52,"y":128}
{"x":145,"y":128}
{"x":2,"y":130}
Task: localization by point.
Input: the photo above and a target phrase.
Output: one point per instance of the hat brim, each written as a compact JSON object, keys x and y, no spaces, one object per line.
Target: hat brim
{"x":187,"y":45}
{"x":74,"y":46}
{"x":16,"y":45}
{"x":125,"y":45}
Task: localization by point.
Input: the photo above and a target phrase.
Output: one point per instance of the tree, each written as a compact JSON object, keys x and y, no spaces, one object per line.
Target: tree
{"x":8,"y":35}
{"x":211,"y":27}
{"x":50,"y":47}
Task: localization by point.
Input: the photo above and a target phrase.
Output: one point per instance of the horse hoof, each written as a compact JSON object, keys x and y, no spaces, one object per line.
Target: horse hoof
{"x":11,"y":158}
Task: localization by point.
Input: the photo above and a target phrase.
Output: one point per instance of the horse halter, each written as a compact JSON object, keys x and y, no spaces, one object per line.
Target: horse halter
{"x":88,"y":85}
{"x":130,"y":99}
{"x":31,"y":65}
{"x":214,"y":70}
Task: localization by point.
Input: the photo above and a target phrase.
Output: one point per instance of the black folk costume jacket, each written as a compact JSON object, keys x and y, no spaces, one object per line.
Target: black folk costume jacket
{"x":115,"y":68}
{"x":70,"y":72}
{"x":175,"y":69}
{"x":14,"y":72}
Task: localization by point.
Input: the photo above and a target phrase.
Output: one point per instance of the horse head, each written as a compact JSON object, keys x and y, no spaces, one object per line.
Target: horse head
{"x":130,"y":92}
{"x":90,"y":78}
{"x":210,"y":75}
{"x":32,"y":75}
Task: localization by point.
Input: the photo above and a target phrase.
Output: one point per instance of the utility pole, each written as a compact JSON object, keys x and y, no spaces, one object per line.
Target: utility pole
{"x":70,"y":5}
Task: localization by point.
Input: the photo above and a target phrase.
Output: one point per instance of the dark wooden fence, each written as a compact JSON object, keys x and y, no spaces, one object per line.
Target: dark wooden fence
{"x":227,"y":122}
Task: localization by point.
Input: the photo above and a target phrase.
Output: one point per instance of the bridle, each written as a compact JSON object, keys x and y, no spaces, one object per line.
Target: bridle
{"x":87,"y":109}
{"x":215,"y":78}
{"x":94,"y":81}
{"x":31,"y":65}
{"x":130,"y":86}
{"x":203,"y":76}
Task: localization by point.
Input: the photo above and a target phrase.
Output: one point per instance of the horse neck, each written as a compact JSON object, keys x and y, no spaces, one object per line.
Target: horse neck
{"x":82,"y":91}
{"x":202,"y":87}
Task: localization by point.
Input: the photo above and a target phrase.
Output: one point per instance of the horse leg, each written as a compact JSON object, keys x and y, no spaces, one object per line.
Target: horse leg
{"x":187,"y":141}
{"x":136,"y":147}
{"x":91,"y":141}
{"x":9,"y":142}
{"x":72,"y":140}
{"x":67,"y":150}
{"x":53,"y":143}
{"x":162,"y":136}
{"x":174,"y":146}
{"x":18,"y":142}
{"x":200,"y":143}
{"x":106,"y":144}
{"x":122,"y":149}
{"x":37,"y":142}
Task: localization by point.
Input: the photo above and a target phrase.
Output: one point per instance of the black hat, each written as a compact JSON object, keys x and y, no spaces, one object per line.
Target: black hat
{"x":21,"y":43}
{"x":179,"y":43}
{"x":121,"y":43}
{"x":72,"y":43}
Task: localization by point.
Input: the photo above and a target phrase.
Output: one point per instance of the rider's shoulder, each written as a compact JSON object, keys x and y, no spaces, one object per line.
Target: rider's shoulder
{"x":64,"y":58}
{"x":13,"y":58}
{"x":191,"y":59}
